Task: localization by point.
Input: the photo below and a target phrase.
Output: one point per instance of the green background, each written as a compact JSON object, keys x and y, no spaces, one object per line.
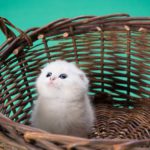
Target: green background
{"x":34,"y":13}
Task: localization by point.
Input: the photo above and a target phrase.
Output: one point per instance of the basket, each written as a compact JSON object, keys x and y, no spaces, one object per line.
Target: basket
{"x":114,"y":52}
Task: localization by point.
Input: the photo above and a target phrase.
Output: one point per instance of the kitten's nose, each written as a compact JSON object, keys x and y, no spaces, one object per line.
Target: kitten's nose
{"x":52,"y":78}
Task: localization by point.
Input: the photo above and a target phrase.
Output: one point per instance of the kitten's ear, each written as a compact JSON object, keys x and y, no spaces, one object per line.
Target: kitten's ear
{"x":43,"y":68}
{"x":84,"y":78}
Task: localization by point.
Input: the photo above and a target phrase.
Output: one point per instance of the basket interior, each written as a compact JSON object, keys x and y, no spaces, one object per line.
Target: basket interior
{"x":116,"y":58}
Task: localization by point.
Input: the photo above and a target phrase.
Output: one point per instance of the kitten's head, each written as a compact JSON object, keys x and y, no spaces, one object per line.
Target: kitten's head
{"x":61,"y":76}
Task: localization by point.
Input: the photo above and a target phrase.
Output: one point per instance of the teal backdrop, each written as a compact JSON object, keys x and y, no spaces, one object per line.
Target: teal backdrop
{"x":29,"y":13}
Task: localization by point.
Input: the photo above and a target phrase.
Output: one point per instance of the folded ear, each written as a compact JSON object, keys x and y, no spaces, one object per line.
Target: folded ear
{"x":84,"y":78}
{"x":43,"y":67}
{"x":40,"y":70}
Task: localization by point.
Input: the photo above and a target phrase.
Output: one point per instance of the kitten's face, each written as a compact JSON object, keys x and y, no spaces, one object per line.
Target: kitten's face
{"x":61,"y":76}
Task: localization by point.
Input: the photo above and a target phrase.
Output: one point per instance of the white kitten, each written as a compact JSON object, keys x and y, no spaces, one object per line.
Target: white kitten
{"x":63,"y":105}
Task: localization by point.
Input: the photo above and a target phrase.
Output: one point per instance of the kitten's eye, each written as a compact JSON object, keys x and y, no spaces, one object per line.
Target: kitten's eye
{"x":48,"y":74}
{"x":63,"y":76}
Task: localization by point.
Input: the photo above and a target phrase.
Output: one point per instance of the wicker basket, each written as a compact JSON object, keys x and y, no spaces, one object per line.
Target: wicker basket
{"x":113,"y":50}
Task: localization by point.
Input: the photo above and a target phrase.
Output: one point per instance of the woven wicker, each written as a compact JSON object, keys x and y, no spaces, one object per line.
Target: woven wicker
{"x":113,"y":50}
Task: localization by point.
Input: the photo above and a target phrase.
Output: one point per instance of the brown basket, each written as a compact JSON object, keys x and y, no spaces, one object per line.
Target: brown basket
{"x":113,"y":50}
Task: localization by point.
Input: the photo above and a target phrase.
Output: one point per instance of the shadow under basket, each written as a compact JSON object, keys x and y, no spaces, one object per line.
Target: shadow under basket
{"x":114,"y":52}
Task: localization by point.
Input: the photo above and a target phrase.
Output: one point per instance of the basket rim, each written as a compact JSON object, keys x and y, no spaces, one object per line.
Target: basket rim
{"x":29,"y":134}
{"x":26,"y":38}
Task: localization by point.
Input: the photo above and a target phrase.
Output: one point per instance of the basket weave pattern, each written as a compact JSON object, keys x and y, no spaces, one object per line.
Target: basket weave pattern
{"x":113,"y":50}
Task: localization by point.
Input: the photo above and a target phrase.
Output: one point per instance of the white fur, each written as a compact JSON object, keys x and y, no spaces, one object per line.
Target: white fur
{"x":63,"y":106}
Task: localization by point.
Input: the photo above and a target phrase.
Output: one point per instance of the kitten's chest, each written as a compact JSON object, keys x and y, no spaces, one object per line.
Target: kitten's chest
{"x":60,"y":114}
{"x":60,"y":108}
{"x":56,"y":108}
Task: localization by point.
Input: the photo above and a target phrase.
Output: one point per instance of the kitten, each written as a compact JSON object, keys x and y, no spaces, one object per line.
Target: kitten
{"x":63,"y":105}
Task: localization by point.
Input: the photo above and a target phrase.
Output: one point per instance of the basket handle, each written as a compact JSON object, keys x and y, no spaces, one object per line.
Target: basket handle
{"x":5,"y":27}
{"x":6,"y":30}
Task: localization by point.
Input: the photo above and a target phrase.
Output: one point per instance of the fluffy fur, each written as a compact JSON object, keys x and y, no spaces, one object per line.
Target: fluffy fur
{"x":63,"y":105}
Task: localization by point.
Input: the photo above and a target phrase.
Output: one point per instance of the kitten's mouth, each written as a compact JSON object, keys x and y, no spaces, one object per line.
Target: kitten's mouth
{"x":50,"y":83}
